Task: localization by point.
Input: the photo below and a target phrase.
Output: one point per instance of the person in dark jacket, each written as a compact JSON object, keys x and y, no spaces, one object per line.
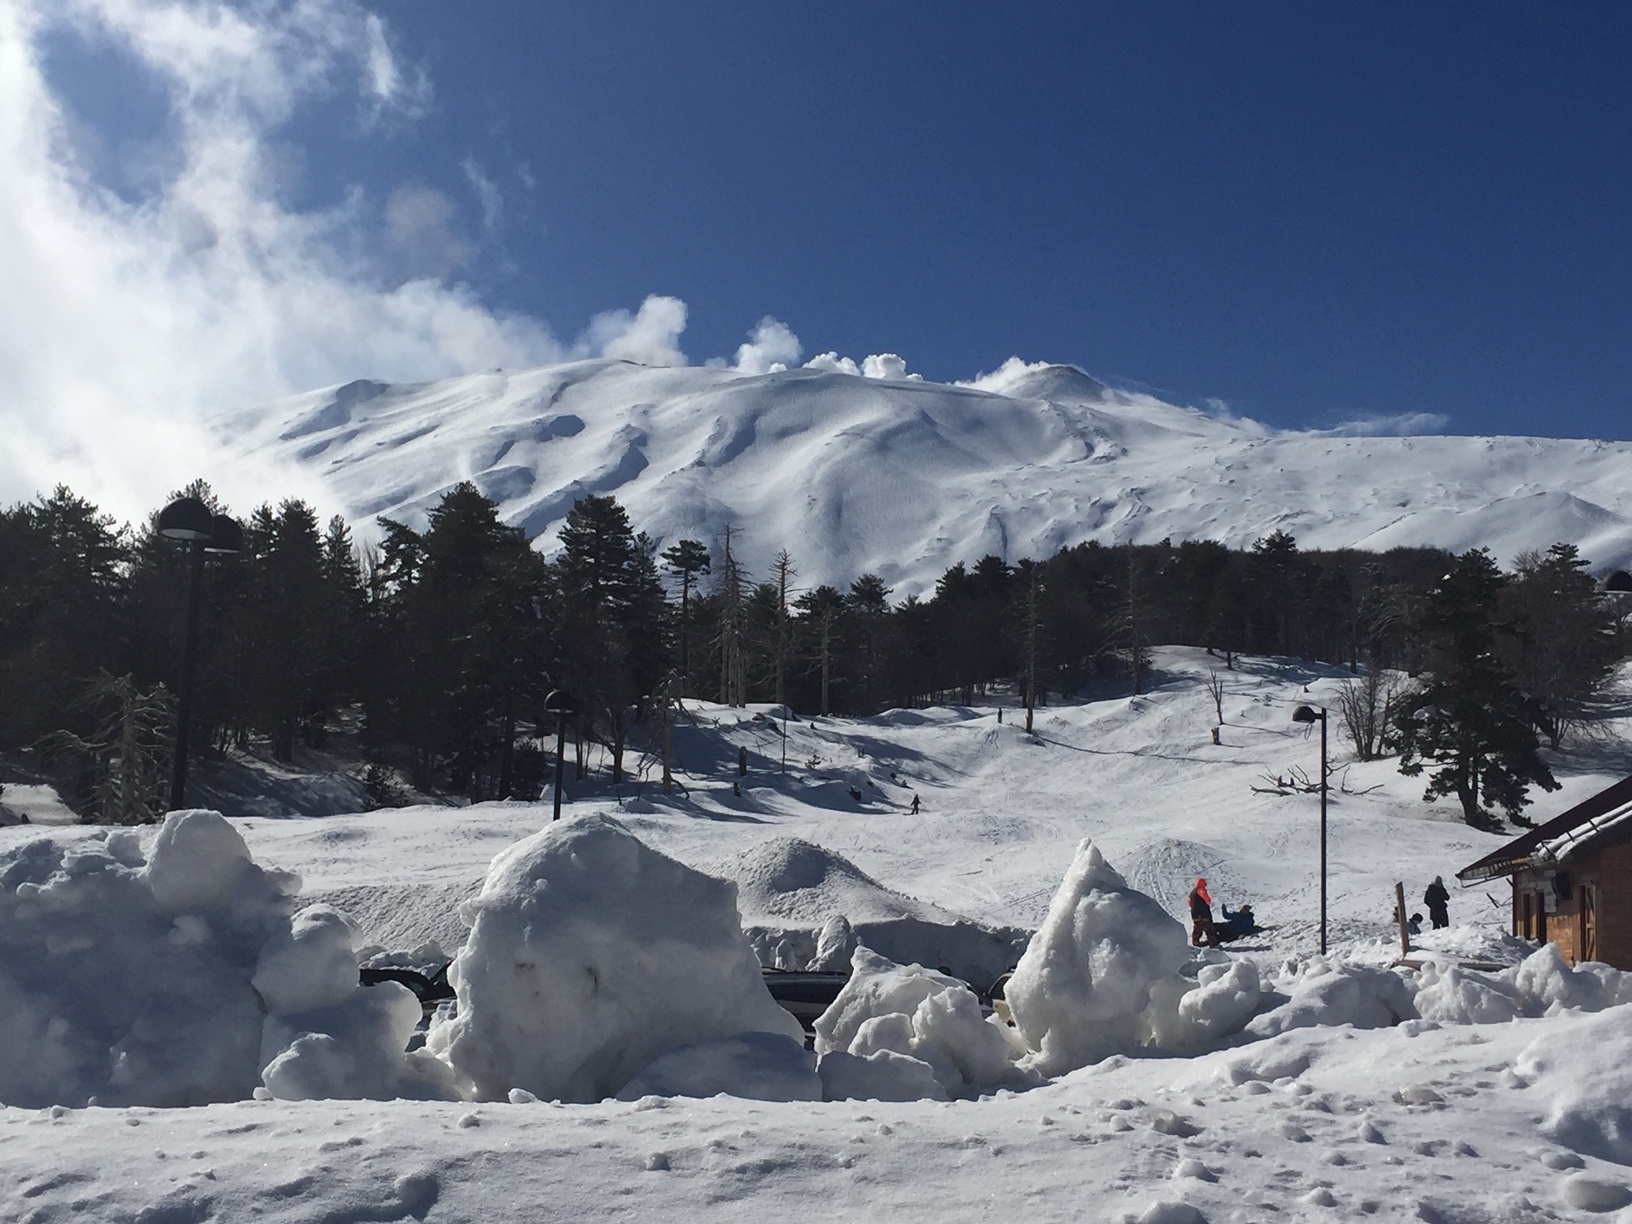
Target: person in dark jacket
{"x":1437,"y":900}
{"x":1236,"y":923}
{"x":1201,"y":916}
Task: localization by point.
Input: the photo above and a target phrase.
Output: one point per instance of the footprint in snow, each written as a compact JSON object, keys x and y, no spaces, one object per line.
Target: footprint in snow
{"x":1585,"y":1193}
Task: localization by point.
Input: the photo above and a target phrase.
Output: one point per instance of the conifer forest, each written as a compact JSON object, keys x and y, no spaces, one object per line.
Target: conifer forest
{"x":439,"y":646}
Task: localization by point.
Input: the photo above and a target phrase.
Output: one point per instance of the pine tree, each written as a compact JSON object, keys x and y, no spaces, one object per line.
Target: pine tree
{"x":733,"y":662}
{"x":1561,"y":636}
{"x":616,"y":617}
{"x":785,"y":571}
{"x":1467,"y":716}
{"x":688,"y":560}
{"x":822,"y":607}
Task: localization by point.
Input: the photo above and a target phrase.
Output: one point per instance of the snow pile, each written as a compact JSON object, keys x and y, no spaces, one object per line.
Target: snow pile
{"x":1585,"y":1077}
{"x":174,"y":978}
{"x":898,"y":1032}
{"x":805,"y":907}
{"x":1323,"y":991}
{"x":1185,"y":1016}
{"x":1540,"y":985}
{"x":1102,"y":977}
{"x":755,"y":1066}
{"x":590,"y":956}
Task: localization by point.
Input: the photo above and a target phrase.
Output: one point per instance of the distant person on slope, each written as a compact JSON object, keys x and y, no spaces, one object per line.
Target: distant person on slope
{"x":1437,"y":900}
{"x":915,"y":805}
{"x":1201,"y":916}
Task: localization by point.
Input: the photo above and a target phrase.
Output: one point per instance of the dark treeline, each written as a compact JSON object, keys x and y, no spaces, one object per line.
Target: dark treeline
{"x":441,"y":644}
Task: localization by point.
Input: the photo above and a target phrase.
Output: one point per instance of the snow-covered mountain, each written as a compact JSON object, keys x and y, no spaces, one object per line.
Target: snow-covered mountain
{"x":904,"y":477}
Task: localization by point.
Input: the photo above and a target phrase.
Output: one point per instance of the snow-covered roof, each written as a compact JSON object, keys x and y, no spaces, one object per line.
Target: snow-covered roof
{"x":1606,"y":815}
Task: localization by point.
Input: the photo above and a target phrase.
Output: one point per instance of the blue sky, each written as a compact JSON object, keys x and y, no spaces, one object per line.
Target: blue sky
{"x":1310,"y":213}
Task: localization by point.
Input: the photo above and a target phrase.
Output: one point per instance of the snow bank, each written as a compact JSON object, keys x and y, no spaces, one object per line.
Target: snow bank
{"x":754,"y":1066}
{"x":175,"y":977}
{"x":1101,"y":976}
{"x":889,"y":1012}
{"x":590,"y":955}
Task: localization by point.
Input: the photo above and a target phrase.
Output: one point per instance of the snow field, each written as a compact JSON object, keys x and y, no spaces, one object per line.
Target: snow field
{"x":1504,"y":1102}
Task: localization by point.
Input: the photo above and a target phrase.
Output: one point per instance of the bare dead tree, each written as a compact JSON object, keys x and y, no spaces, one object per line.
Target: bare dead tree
{"x":1365,"y":704}
{"x":128,"y":753}
{"x":1215,"y":689}
{"x":1296,"y":781}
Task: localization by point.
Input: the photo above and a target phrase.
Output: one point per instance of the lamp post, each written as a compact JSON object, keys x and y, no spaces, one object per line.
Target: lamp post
{"x":189,"y":520}
{"x":561,"y":704}
{"x":1308,"y":714}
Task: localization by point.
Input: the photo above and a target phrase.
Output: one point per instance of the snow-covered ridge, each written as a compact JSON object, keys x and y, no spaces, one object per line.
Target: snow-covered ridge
{"x":905,"y":478}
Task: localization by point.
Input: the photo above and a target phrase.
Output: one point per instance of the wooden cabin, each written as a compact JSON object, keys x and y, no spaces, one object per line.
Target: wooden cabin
{"x":1572,"y":879}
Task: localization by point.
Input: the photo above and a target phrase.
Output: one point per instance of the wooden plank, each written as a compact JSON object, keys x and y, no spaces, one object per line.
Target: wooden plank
{"x":1399,"y":912}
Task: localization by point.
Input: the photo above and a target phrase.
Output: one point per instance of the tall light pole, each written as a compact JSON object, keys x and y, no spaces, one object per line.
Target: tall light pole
{"x":561,"y":704}
{"x":189,"y":520}
{"x":1308,"y":714}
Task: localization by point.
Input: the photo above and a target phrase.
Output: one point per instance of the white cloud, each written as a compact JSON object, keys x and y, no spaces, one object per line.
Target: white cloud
{"x":651,"y":336}
{"x":885,"y":366}
{"x":487,"y":195}
{"x":422,"y":234}
{"x":126,"y":322}
{"x":834,"y":364}
{"x":771,"y":347}
{"x":1405,"y":424}
{"x":1005,"y":376}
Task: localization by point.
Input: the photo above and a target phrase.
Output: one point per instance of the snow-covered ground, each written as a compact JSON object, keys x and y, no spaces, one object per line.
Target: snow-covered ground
{"x":906,"y":478}
{"x":1519,"y":1119}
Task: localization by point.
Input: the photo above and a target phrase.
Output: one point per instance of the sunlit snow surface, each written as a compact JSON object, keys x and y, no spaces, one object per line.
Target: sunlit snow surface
{"x":906,"y":478}
{"x":1520,"y":1119}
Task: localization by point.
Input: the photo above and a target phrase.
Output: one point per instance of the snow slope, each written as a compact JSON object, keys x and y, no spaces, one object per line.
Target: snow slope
{"x":1514,"y":1121}
{"x":905,"y":477}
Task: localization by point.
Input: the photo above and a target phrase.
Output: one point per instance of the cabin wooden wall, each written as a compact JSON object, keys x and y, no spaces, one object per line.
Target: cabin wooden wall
{"x":1601,"y":883}
{"x":1615,"y":906}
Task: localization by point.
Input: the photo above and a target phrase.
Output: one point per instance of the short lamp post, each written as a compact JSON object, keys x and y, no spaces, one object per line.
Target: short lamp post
{"x":189,"y":520}
{"x":1308,"y":714}
{"x":561,"y":704}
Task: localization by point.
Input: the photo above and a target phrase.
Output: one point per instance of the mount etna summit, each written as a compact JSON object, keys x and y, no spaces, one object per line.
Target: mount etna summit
{"x":905,"y":477}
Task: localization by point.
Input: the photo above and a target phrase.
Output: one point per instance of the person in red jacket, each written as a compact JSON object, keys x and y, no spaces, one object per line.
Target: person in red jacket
{"x":1202,"y":929}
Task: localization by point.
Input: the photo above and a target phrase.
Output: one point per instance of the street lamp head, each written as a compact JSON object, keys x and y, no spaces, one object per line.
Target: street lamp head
{"x":225,"y":535}
{"x":186,"y":518}
{"x":1305,"y":714}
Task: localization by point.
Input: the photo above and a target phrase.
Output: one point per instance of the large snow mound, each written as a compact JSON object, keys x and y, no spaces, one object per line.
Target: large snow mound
{"x":591,"y":955}
{"x":1084,"y":987}
{"x":807,"y":907}
{"x":176,"y":976}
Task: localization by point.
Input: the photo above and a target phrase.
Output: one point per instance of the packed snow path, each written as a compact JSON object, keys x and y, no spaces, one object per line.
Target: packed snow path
{"x":1411,"y":1123}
